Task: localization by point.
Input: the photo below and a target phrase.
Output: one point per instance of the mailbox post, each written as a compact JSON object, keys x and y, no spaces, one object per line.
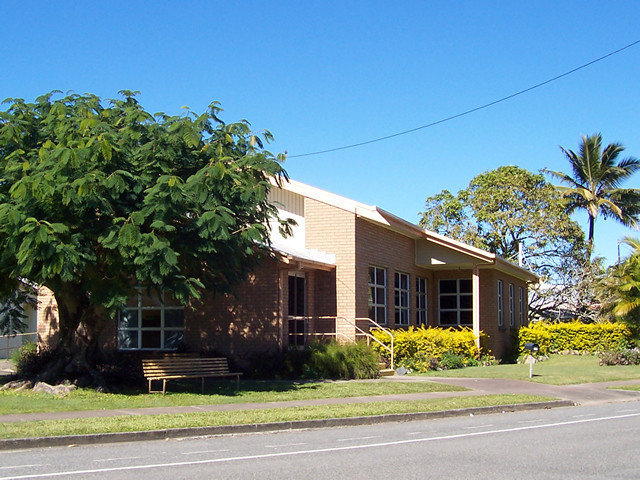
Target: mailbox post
{"x":533,"y":348}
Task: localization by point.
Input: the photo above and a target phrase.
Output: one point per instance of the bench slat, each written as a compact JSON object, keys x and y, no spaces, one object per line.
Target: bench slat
{"x":182,"y":367}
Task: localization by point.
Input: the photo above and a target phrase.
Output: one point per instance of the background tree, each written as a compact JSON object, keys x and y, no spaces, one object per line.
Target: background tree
{"x":96,"y":196}
{"x":595,"y":183}
{"x":508,"y":207}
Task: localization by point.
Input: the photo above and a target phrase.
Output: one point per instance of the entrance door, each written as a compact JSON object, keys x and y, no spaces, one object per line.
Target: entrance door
{"x":297,"y":308}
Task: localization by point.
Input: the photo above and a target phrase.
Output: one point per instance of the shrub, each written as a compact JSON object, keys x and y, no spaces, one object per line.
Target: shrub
{"x":575,"y":336}
{"x":415,"y":343}
{"x":30,"y":360}
{"x":625,"y":356}
{"x":345,"y":361}
{"x":451,"y":361}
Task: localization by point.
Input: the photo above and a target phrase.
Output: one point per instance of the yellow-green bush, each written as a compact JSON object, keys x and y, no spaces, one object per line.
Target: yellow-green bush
{"x":428,"y":343}
{"x":575,"y":336}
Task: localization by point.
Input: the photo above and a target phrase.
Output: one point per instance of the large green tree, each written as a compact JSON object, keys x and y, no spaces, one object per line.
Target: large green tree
{"x":511,"y":212}
{"x":97,"y":196}
{"x":594,"y":184}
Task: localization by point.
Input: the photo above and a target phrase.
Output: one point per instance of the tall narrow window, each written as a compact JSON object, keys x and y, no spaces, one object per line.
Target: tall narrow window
{"x":378,"y":295}
{"x":512,"y":306}
{"x":421,"y":301}
{"x":297,"y":308}
{"x":456,"y":302}
{"x":521,"y":302}
{"x":500,"y":304}
{"x":401,"y":292}
{"x":151,"y":322}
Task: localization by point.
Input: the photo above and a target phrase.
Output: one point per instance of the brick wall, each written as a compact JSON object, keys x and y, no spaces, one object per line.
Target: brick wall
{"x":244,"y":324}
{"x":332,"y":230}
{"x":380,"y":247}
{"x":47,"y":318}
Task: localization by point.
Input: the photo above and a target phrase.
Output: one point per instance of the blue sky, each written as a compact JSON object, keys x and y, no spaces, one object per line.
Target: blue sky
{"x":320,"y":75}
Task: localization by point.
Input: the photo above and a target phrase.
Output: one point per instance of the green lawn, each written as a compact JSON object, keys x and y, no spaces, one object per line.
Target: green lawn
{"x":217,"y":392}
{"x":557,"y":370}
{"x":129,"y":423}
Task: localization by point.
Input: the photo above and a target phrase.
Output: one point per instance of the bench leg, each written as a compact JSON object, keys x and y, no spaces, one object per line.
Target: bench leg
{"x":203,"y":385}
{"x":164,"y":387}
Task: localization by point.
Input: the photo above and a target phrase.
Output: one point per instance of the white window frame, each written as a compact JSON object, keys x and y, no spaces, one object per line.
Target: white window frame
{"x":512,"y":305}
{"x":401,"y":298}
{"x":521,"y":301}
{"x":421,"y":301}
{"x":500,"y":304}
{"x":458,"y":294}
{"x":376,"y":290}
{"x":140,"y":330}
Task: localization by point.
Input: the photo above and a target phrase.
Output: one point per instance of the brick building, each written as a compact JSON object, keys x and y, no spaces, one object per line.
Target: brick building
{"x":346,"y":262}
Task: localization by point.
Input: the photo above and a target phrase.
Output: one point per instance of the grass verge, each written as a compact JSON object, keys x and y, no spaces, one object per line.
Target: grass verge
{"x":217,"y":392}
{"x":557,"y":370}
{"x":633,"y":388}
{"x":128,"y":423}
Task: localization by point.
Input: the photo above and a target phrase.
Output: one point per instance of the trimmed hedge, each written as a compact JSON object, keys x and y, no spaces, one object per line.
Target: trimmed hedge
{"x":427,"y":343}
{"x":575,"y":336}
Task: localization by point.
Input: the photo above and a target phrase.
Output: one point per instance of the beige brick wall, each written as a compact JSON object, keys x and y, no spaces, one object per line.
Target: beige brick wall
{"x":380,"y":247}
{"x":332,"y":230}
{"x":47,"y":318}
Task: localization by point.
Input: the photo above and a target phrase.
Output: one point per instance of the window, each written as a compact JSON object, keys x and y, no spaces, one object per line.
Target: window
{"x":297,"y":308}
{"x":500,"y":304}
{"x":421,"y":301}
{"x":456,"y":302}
{"x":521,"y":302}
{"x":378,"y":295}
{"x":402,"y":298}
{"x":512,"y":306}
{"x":149,"y":322}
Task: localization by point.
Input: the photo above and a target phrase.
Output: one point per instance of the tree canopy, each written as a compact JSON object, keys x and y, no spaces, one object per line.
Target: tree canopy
{"x":99,"y":195}
{"x":502,"y":209}
{"x":509,"y":209}
{"x":595,"y":183}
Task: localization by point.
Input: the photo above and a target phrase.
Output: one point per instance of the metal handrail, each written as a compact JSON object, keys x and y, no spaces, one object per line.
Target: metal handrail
{"x":371,"y":337}
{"x":336,"y":333}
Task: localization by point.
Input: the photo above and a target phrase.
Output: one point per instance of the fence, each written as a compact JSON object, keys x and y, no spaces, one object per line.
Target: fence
{"x":10,"y":343}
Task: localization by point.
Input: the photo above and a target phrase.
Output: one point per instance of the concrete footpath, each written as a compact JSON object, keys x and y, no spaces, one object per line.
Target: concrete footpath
{"x":568,"y":395}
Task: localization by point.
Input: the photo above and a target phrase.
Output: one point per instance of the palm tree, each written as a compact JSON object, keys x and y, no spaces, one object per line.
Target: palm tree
{"x":620,"y":289}
{"x":595,"y":184}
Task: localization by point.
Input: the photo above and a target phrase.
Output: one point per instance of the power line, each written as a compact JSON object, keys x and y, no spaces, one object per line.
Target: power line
{"x":467,"y":112}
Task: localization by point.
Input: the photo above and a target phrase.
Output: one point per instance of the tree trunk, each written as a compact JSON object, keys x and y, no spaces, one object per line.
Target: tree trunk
{"x":77,"y":352}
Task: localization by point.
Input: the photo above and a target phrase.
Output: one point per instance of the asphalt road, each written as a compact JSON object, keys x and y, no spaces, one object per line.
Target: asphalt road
{"x":568,"y":443}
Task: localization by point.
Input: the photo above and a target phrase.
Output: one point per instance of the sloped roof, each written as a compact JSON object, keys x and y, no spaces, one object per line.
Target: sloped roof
{"x":388,"y":220}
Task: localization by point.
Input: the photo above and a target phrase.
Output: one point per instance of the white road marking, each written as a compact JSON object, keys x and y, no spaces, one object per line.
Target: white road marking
{"x":582,"y":416}
{"x":319,"y":450}
{"x":475,"y":427}
{"x":285,"y":445}
{"x":206,"y":451}
{"x":355,"y":439}
{"x":10,"y":467}
{"x":98,"y":460}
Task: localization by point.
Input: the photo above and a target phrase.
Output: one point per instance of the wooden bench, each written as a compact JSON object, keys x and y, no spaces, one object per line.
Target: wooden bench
{"x":172,"y":368}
